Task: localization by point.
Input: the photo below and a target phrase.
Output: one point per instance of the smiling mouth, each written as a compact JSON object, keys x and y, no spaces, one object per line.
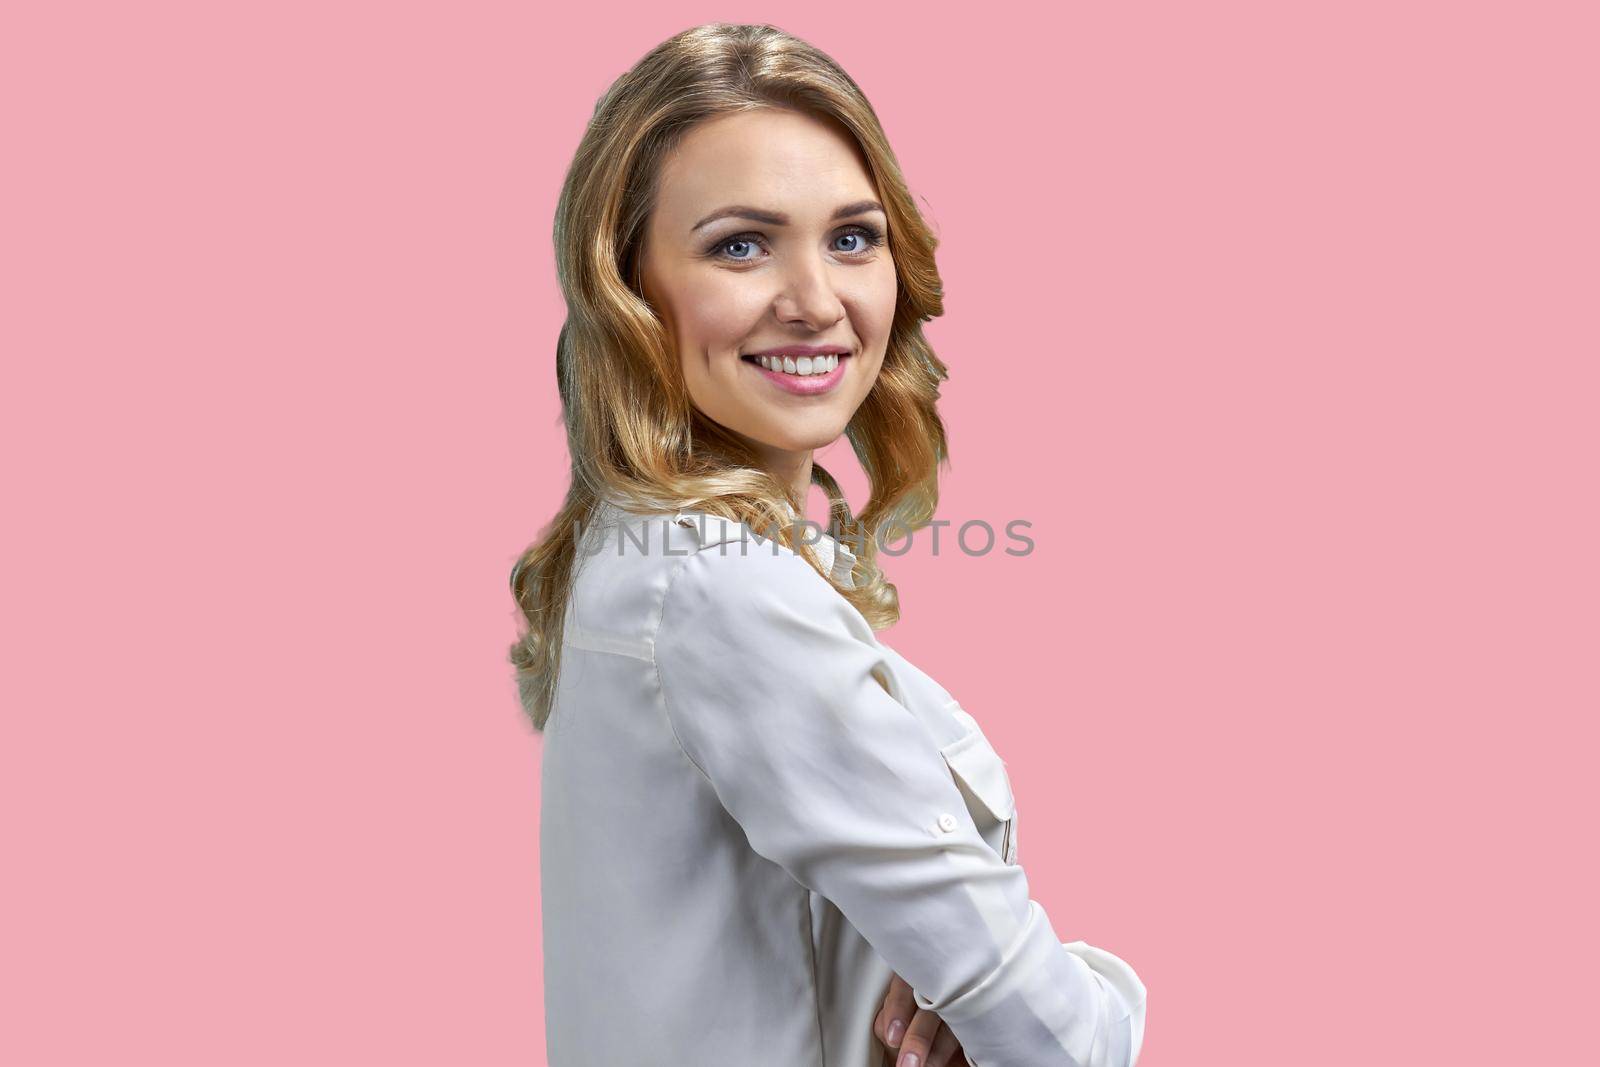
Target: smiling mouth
{"x":800,"y":367}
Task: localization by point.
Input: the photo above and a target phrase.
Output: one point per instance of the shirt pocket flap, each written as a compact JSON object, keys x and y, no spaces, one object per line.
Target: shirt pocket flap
{"x":976,"y":765}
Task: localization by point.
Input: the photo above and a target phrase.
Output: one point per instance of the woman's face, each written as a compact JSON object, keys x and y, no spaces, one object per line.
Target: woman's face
{"x":765,"y":237}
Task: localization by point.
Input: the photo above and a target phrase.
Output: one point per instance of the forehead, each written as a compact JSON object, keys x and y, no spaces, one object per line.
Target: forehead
{"x":782,"y":160}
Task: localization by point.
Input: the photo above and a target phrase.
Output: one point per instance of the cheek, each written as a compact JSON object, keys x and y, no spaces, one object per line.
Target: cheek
{"x":877,"y":303}
{"x":718,"y":315}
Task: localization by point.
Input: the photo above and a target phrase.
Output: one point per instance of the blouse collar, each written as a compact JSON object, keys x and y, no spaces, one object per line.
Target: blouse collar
{"x":836,"y":557}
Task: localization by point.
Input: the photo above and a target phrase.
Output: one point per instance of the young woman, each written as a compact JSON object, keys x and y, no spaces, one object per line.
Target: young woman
{"x":766,"y":837}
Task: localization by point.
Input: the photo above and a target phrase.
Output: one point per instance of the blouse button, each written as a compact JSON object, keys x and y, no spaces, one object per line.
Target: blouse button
{"x":947,"y":822}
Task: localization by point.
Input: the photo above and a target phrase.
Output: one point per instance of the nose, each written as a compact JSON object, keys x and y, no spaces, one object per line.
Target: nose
{"x":807,"y":294}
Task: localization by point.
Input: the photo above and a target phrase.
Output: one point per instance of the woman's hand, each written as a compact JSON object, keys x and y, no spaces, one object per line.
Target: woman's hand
{"x":921,"y":1034}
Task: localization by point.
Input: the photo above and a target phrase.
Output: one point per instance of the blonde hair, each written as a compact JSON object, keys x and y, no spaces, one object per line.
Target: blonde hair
{"x":632,"y":432}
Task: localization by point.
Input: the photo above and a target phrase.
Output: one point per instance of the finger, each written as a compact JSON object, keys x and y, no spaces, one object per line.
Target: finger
{"x":946,"y":1050}
{"x":880,"y":1020}
{"x":918,"y":1039}
{"x":895,"y":1016}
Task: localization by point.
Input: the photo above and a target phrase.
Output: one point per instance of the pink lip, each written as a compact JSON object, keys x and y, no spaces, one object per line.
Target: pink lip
{"x":810,"y":385}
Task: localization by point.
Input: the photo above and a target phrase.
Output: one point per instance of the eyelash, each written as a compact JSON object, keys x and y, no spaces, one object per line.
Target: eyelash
{"x":874,"y":238}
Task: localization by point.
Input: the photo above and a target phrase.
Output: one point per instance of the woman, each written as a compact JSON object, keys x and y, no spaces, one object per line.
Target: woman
{"x":765,"y":837}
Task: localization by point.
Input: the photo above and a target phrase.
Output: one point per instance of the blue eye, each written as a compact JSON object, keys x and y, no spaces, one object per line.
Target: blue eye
{"x":866,"y":239}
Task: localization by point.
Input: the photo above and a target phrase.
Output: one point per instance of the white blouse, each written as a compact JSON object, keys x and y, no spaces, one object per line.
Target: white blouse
{"x":754,"y":811}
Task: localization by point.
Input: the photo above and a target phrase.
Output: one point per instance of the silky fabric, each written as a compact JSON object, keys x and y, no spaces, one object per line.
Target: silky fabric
{"x":754,"y":812}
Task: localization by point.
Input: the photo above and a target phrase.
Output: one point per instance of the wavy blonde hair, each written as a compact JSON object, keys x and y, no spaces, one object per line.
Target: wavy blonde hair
{"x":632,"y":433}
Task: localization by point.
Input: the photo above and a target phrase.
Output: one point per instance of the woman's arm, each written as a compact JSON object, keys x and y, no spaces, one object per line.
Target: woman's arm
{"x":781,"y":696}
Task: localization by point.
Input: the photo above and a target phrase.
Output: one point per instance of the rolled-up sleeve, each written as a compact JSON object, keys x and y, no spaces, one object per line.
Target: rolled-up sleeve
{"x":778,"y":691}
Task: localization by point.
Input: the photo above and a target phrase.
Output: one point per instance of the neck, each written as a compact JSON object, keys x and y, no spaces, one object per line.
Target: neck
{"x":791,"y":469}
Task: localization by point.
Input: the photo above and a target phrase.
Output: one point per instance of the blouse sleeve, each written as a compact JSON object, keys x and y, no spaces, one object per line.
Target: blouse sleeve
{"x":780,"y":694}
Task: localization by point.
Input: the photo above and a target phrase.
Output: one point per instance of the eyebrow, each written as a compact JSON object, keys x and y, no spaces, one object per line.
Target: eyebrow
{"x":778,"y":218}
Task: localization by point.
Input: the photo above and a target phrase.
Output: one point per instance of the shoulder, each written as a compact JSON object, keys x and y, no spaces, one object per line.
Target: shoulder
{"x":737,"y":591}
{"x":695,"y":575}
{"x":735,"y":565}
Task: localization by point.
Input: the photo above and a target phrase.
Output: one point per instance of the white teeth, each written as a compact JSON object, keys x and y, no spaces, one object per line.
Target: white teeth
{"x":802,"y":367}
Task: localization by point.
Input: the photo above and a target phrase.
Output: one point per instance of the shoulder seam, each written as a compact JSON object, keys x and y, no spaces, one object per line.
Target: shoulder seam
{"x":655,"y":667}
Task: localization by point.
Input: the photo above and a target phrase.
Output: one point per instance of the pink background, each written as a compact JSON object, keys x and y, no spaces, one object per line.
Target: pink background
{"x":1277,"y":321}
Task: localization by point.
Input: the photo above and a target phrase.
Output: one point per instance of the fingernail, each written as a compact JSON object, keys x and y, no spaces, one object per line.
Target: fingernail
{"x":910,"y":1059}
{"x":896,"y":1028}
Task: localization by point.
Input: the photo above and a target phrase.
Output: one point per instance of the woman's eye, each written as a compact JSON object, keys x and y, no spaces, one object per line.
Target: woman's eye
{"x":865,"y":238}
{"x":740,"y":248}
{"x":737,"y":244}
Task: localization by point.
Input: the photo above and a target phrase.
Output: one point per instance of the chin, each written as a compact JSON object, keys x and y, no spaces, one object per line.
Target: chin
{"x":791,"y":440}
